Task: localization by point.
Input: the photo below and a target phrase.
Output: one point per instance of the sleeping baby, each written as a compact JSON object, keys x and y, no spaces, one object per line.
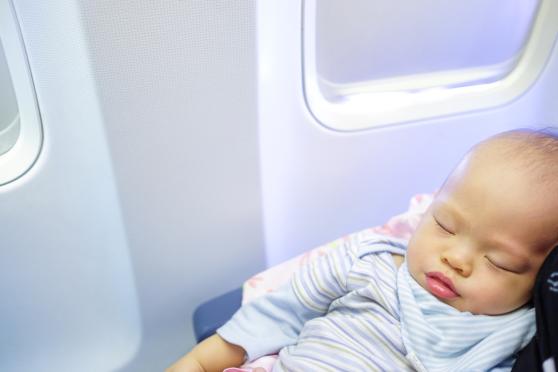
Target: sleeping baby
{"x":456,"y":297}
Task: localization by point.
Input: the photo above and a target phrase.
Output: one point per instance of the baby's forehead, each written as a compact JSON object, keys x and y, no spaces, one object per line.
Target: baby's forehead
{"x":504,"y":197}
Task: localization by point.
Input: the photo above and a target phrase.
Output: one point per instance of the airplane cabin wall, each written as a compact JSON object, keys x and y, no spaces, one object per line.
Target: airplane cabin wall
{"x":320,"y":184}
{"x":145,"y":200}
{"x":180,"y":158}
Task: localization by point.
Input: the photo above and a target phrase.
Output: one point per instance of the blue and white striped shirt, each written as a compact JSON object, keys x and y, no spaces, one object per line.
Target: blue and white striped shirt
{"x":339,"y":313}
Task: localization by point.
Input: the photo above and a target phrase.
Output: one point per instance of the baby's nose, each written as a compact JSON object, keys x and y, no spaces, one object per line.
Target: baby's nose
{"x":458,"y":263}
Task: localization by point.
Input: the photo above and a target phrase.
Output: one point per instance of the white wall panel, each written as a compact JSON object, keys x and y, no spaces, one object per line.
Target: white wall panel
{"x":146,"y":200}
{"x":176,"y":84}
{"x":68,"y":292}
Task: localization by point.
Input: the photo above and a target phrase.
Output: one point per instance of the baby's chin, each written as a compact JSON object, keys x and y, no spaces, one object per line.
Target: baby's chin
{"x":463,"y":306}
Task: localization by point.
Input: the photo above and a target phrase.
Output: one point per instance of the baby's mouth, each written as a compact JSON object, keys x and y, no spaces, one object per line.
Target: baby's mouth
{"x":440,"y":285}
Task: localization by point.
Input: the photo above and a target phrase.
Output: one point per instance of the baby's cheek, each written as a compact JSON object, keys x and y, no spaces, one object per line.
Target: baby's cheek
{"x":412,"y":263}
{"x":487,"y":302}
{"x":500,"y":298}
{"x":523,"y":293}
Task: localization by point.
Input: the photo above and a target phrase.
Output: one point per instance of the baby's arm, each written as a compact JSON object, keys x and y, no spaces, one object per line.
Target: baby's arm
{"x":212,"y":354}
{"x":273,"y":321}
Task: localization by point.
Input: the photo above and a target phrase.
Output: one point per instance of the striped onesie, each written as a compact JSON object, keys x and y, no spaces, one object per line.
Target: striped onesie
{"x":339,"y":313}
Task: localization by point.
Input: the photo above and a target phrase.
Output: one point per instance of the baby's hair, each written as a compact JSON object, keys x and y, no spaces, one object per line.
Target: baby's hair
{"x":534,"y":151}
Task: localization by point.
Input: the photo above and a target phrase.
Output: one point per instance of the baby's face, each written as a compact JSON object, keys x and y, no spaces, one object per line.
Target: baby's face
{"x":479,"y":246}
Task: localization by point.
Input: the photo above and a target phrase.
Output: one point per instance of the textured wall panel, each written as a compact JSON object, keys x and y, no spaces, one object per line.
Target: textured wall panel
{"x":146,"y":199}
{"x":176,"y":84}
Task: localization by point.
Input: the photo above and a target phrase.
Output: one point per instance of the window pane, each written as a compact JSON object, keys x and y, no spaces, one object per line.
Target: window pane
{"x":9,"y":113}
{"x":368,"y":40}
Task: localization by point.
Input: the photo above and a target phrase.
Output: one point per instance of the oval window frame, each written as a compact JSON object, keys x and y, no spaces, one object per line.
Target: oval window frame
{"x":398,"y":105}
{"x":23,"y":154}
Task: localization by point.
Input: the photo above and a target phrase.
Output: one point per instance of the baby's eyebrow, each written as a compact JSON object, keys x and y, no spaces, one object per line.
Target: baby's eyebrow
{"x":450,"y":210}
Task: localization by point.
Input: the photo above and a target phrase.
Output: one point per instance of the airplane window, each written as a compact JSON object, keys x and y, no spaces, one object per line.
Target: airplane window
{"x":372,"y":41}
{"x":9,"y":113}
{"x":378,"y":62}
{"x":21,"y":134}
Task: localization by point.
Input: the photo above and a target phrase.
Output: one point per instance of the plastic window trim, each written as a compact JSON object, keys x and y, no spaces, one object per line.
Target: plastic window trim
{"x":23,"y":154}
{"x":399,"y":104}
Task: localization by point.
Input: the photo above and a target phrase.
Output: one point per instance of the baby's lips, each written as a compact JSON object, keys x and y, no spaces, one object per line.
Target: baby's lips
{"x":440,"y":285}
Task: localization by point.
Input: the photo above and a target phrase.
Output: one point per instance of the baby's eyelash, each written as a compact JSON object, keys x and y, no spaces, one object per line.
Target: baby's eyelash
{"x":443,"y":227}
{"x":492,"y":264}
{"x":498,"y":266}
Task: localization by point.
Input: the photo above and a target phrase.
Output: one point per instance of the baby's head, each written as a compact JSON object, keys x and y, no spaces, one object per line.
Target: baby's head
{"x":481,"y":243}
